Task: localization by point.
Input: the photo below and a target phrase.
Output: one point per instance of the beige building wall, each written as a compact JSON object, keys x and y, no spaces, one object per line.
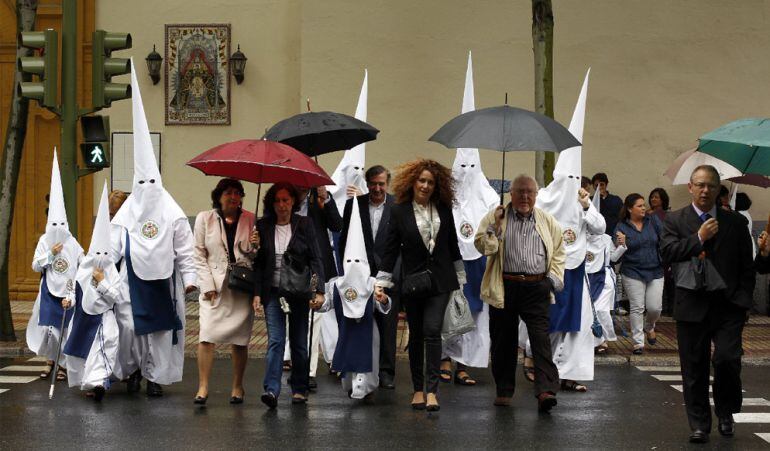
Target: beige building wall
{"x":662,"y":73}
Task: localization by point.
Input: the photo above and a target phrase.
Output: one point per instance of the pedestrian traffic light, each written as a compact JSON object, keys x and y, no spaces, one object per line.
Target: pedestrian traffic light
{"x":96,"y":146}
{"x":44,"y":66}
{"x":104,"y":67}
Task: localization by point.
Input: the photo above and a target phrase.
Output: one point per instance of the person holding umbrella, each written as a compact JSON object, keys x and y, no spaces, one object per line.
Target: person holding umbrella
{"x":763,"y":256}
{"x":289,"y":246}
{"x":422,"y":232}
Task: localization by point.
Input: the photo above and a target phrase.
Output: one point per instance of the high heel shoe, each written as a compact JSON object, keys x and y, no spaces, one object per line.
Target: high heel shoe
{"x":237,"y":399}
{"x":201,"y":400}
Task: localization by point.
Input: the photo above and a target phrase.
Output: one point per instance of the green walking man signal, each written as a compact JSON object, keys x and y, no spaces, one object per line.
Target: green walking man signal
{"x":96,"y":148}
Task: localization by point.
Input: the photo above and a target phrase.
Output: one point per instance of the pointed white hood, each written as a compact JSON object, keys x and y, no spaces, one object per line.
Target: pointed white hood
{"x":475,"y":197}
{"x":99,"y":256}
{"x":560,"y":197}
{"x":64,"y":266}
{"x":149,"y":212}
{"x":356,"y":286}
{"x":351,"y":169}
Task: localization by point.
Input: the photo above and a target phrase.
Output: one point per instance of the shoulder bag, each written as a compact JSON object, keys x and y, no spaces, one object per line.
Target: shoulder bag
{"x":295,"y":276}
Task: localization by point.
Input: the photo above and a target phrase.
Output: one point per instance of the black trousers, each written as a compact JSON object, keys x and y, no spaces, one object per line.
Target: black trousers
{"x":530,"y":301}
{"x":388,"y":327}
{"x":425,"y":316}
{"x":723,"y":326}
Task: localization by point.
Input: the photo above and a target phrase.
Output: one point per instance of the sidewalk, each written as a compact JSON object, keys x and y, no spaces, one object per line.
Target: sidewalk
{"x":756,"y":340}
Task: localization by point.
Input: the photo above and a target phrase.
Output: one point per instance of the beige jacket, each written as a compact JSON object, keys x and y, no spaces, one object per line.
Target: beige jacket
{"x":211,"y":248}
{"x":492,"y":291}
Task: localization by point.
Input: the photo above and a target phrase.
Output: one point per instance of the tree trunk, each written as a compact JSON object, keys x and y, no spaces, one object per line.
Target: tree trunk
{"x":26,"y":11}
{"x":542,"y":46}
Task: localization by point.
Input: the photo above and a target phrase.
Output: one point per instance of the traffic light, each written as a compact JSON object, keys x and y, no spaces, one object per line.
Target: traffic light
{"x":104,"y":67}
{"x":96,"y":146}
{"x":44,"y":66}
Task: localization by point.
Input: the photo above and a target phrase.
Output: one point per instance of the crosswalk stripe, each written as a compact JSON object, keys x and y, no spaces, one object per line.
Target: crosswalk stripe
{"x":671,"y":377}
{"x":752,"y":417}
{"x":751,"y":402}
{"x":662,"y":369}
{"x":17,"y":379}
{"x":3,"y":390}
{"x":764,"y":436}
{"x":680,"y":388}
{"x":25,"y":368}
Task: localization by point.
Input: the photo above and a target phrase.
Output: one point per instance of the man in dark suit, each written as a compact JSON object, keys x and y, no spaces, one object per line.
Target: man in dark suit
{"x":374,"y":209}
{"x":701,"y":234}
{"x":317,"y":205}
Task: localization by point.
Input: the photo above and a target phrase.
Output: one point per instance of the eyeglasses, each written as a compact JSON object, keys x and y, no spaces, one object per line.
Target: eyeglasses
{"x":703,"y":185}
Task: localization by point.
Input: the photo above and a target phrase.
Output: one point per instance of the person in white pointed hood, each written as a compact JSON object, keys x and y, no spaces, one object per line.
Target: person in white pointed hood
{"x":152,"y":236}
{"x":571,"y":317}
{"x":57,"y":257}
{"x":601,"y":253}
{"x":357,"y":352}
{"x":92,"y":345}
{"x":474,"y":199}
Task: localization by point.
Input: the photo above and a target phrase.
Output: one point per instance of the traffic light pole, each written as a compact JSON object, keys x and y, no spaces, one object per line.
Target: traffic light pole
{"x":69,"y":112}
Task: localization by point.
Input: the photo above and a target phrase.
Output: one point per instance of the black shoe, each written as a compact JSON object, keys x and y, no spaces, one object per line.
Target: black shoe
{"x":154,"y":390}
{"x":699,"y":436}
{"x":432,"y":407}
{"x":99,"y":394}
{"x":727,"y":426}
{"x":236,"y":400}
{"x":386,"y":381}
{"x":133,"y":384}
{"x":545,"y":402}
{"x":312,"y":384}
{"x":200,"y":400}
{"x":268,"y":398}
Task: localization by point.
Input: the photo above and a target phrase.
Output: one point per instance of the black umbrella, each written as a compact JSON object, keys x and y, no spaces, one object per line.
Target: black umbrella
{"x":506,"y":129}
{"x":317,"y":133}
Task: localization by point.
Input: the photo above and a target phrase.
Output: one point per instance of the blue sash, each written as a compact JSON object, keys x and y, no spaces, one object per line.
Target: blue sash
{"x":354,"y":345}
{"x":565,"y":314}
{"x":474,"y":272}
{"x":152,"y":303}
{"x":84,"y":328}
{"x":596,"y":283}
{"x":51,"y":310}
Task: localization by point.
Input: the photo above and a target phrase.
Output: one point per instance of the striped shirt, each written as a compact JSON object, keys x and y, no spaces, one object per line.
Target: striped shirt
{"x":524,"y":250}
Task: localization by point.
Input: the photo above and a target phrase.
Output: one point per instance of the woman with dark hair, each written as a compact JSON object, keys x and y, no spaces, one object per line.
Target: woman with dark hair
{"x":422,"y":232}
{"x":285,"y":233}
{"x":641,"y":268}
{"x":658,"y":202}
{"x":223,"y":239}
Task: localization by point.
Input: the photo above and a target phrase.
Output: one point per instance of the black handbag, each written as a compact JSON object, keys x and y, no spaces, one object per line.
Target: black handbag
{"x":295,"y":277}
{"x":240,"y":278}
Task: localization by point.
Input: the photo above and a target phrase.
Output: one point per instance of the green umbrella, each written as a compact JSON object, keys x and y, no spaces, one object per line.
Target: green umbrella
{"x":744,"y":144}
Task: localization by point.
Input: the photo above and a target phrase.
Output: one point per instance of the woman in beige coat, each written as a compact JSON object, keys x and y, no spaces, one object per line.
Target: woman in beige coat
{"x":223,"y":238}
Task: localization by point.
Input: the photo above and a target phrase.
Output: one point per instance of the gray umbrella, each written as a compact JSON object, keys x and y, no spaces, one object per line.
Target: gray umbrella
{"x":506,"y":129}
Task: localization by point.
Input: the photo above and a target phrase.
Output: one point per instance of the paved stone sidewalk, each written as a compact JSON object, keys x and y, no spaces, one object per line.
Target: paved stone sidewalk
{"x":756,"y":339}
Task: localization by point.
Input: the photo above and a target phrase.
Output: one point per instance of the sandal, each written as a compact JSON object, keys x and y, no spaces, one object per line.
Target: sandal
{"x":463,"y":378}
{"x":287,"y":365}
{"x":601,"y":350}
{"x":46,"y":371}
{"x":61,"y":375}
{"x":529,"y":373}
{"x":567,"y":385}
{"x":445,"y":375}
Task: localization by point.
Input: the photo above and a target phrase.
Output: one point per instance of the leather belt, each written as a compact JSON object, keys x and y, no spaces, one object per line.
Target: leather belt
{"x":524,"y":277}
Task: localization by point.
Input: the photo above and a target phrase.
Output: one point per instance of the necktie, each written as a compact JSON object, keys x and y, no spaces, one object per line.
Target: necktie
{"x":705,"y":217}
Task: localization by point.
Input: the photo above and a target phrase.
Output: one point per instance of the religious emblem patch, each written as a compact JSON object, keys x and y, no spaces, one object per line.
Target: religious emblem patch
{"x":589,"y":257}
{"x":60,"y":265}
{"x":94,"y":283}
{"x":150,"y":229}
{"x":350,"y":294}
{"x":569,"y":236}
{"x":466,"y":229}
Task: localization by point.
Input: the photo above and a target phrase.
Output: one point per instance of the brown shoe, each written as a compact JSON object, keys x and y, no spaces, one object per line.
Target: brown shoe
{"x":545,"y":402}
{"x":502,"y":401}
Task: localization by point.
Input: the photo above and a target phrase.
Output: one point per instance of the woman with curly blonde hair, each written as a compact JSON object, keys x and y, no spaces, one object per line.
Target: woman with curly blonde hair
{"x":422,"y":233}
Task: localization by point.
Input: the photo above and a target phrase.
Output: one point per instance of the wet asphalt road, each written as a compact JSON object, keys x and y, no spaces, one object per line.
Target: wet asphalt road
{"x":625,"y":408}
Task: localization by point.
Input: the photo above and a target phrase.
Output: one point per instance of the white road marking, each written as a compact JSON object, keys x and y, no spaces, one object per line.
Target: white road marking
{"x":764,"y":436}
{"x":711,"y":389}
{"x":17,"y":379}
{"x":671,"y":377}
{"x":3,"y":390}
{"x":751,"y":402}
{"x":752,"y":417}
{"x":662,"y":369}
{"x":24,"y":368}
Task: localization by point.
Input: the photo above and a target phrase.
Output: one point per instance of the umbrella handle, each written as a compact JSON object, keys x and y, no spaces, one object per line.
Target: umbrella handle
{"x":502,"y":179}
{"x":259,"y":194}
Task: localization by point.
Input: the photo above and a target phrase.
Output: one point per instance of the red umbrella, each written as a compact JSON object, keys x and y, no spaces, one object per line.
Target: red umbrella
{"x":752,"y":179}
{"x":261,"y":161}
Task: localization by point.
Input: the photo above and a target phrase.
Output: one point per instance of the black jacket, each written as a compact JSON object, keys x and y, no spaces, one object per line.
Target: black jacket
{"x":303,"y":241}
{"x":375,"y":245}
{"x":763,"y":264}
{"x":404,"y":239}
{"x":730,"y":251}
{"x":324,"y":219}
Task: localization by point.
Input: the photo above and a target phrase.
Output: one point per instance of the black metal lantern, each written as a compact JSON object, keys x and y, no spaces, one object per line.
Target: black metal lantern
{"x":238,"y":64}
{"x":153,"y":65}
